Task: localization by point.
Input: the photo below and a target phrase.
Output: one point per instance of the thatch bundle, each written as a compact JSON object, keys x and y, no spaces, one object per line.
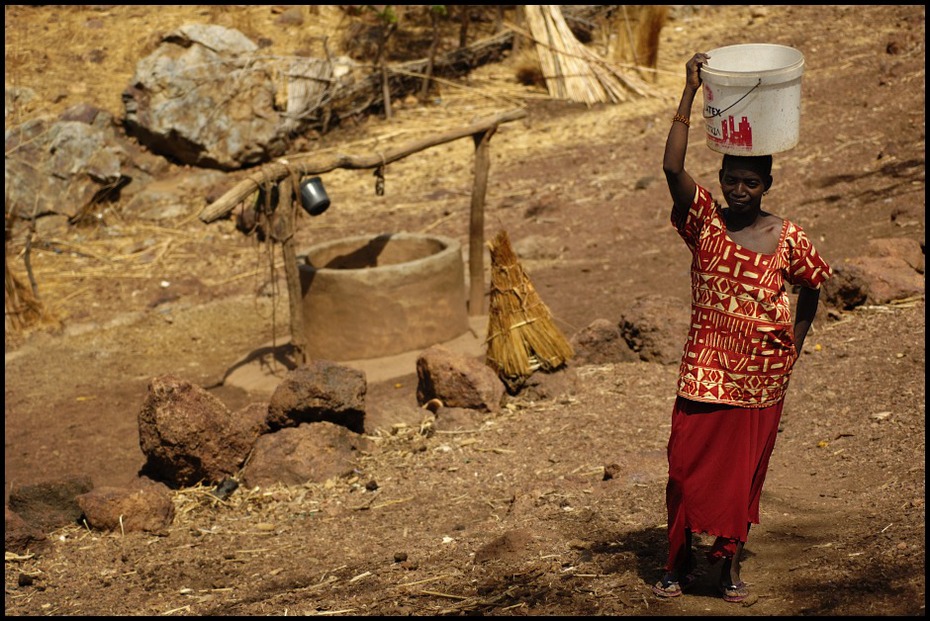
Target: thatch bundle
{"x":633,"y":35}
{"x":522,"y":337}
{"x":571,"y":70}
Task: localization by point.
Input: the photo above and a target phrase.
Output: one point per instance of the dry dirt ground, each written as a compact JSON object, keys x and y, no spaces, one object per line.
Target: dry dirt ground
{"x":513,"y":517}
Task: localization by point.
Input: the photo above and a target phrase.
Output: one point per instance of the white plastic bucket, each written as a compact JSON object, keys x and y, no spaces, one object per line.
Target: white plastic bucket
{"x":752,"y":98}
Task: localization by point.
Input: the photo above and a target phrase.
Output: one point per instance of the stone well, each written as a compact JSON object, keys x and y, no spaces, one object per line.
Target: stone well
{"x":378,"y":295}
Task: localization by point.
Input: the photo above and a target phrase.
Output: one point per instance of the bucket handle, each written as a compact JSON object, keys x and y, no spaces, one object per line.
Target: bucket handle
{"x":720,"y":113}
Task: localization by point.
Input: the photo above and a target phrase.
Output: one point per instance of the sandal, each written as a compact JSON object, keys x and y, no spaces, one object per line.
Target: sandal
{"x":734,"y":593}
{"x":671,"y":588}
{"x":667,"y":588}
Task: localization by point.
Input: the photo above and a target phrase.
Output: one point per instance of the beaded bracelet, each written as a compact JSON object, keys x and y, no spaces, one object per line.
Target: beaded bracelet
{"x":681,"y":119}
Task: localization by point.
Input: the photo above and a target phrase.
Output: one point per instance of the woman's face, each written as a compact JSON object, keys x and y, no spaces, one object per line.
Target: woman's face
{"x":742,"y":188}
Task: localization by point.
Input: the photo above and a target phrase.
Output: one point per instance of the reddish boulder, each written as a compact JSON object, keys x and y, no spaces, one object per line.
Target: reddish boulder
{"x":311,"y":452}
{"x":320,"y":391}
{"x":147,"y":506}
{"x":189,"y":436}
{"x":457,"y":380}
{"x":19,"y":537}
{"x":599,"y":343}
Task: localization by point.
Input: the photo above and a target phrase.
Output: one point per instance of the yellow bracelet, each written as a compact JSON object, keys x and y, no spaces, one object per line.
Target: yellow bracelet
{"x":681,"y":119}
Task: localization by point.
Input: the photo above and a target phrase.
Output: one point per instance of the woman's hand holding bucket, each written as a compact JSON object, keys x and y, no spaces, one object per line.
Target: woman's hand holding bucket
{"x":693,"y":77}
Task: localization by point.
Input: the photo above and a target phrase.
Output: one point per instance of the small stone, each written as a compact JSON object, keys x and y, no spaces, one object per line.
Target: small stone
{"x":400,"y":557}
{"x":611,"y":471}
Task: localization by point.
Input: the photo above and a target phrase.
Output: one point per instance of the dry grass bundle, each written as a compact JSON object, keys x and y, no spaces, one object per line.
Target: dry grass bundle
{"x":571,"y":70}
{"x":634,"y":35}
{"x":522,"y":337}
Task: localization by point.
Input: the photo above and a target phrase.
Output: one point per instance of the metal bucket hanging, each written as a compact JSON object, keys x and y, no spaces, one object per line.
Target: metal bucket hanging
{"x":313,"y":197}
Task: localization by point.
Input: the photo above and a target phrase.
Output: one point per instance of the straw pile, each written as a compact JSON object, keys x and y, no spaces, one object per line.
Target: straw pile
{"x":634,"y":36}
{"x":571,"y":70}
{"x":521,"y":335}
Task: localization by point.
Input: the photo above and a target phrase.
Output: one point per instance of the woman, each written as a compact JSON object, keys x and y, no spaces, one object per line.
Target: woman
{"x":741,"y":348}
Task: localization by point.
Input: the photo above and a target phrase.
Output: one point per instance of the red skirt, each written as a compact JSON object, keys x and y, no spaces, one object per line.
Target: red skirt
{"x":718,"y":456}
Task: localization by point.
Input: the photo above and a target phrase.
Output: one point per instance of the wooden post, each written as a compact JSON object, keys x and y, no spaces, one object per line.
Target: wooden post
{"x":286,"y":211}
{"x":476,"y":222}
{"x":518,"y":40}
{"x":464,"y":17}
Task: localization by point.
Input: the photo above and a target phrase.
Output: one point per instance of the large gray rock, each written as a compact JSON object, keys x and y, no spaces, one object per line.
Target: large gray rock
{"x":68,"y":165}
{"x":458,"y":381}
{"x":312,"y":452}
{"x":200,"y":100}
{"x":206,"y":98}
{"x":189,"y":436}
{"x":320,"y":390}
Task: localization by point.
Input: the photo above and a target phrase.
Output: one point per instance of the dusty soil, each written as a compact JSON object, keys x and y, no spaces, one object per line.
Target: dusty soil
{"x":513,"y":517}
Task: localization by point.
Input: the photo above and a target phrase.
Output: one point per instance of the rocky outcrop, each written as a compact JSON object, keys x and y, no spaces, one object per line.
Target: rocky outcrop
{"x":206,"y":98}
{"x":19,"y":536}
{"x":68,"y":165}
{"x":198,"y":100}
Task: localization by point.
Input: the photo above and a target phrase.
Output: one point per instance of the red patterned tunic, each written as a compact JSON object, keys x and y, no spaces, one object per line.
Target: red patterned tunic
{"x":740,"y":348}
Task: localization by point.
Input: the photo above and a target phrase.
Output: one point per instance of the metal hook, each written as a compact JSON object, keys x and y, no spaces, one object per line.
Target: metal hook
{"x":379,"y":177}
